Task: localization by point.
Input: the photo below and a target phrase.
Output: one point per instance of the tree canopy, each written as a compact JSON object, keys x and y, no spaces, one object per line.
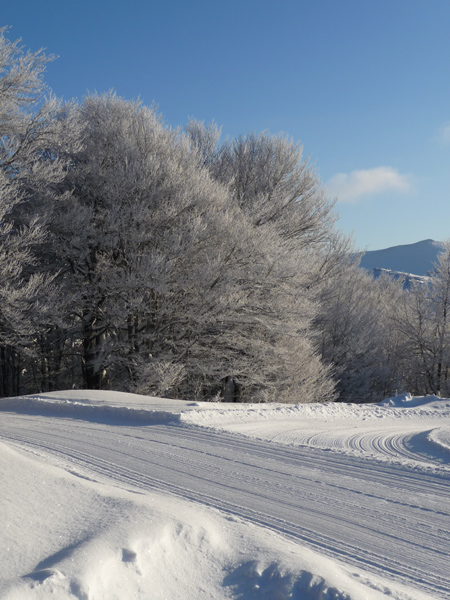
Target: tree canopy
{"x":140,"y":258}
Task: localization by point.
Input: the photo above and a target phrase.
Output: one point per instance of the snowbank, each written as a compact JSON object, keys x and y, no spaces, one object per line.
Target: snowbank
{"x":408,"y":401}
{"x":99,"y":413}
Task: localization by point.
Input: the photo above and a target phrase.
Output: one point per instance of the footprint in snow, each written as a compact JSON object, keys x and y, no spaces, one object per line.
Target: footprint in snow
{"x":42,"y":574}
{"x":128,"y":556}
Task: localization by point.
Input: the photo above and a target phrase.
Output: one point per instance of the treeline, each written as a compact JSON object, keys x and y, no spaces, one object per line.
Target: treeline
{"x":138,"y":258}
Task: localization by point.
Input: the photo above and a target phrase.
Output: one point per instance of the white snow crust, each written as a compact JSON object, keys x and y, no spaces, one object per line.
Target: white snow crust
{"x":109,"y":496}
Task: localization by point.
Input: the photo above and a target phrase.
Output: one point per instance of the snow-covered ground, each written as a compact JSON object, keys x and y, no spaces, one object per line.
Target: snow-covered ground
{"x":109,"y":496}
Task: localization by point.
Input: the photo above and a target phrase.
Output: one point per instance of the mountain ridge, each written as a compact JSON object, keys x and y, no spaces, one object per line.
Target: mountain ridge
{"x":417,"y":259}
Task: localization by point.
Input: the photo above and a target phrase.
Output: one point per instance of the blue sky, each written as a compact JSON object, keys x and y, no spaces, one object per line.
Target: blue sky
{"x":364,"y":86}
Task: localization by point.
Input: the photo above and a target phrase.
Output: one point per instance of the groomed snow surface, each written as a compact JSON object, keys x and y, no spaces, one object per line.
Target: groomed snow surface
{"x":109,"y":496}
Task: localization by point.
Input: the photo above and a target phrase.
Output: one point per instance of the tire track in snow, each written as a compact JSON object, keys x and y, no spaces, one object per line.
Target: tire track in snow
{"x":372,"y":523}
{"x":415,"y":449}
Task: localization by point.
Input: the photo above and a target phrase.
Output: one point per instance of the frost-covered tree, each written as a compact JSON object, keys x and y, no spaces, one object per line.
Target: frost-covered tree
{"x":282,"y":197}
{"x":204,"y":141}
{"x":423,"y":320}
{"x":140,"y":258}
{"x":269,"y":180}
{"x":173,"y":288}
{"x":267,"y":177}
{"x":357,"y":336}
{"x":30,"y":130}
{"x":440,"y":286}
{"x":271,"y":183}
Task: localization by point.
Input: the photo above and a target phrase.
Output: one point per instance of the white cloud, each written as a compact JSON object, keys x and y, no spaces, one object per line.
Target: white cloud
{"x":444,"y":134}
{"x":350,"y":187}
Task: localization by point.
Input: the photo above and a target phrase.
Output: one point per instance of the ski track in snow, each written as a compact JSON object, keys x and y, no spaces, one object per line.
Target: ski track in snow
{"x":365,"y":486}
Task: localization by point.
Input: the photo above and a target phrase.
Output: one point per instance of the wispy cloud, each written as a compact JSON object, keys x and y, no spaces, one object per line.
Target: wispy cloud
{"x":443,"y":135}
{"x":350,"y":187}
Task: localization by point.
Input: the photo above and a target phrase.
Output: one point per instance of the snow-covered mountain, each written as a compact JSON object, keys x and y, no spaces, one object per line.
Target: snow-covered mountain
{"x":407,"y":278}
{"x":416,"y":259}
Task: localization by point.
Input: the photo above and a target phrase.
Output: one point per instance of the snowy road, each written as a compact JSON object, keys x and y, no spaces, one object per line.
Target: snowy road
{"x":382,"y":518}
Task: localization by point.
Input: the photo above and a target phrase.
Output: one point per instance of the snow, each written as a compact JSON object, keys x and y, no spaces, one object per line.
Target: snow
{"x":391,"y":431}
{"x":117,"y":496}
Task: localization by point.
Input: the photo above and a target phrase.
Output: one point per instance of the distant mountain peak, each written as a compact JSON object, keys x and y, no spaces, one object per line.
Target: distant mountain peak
{"x":416,"y":259}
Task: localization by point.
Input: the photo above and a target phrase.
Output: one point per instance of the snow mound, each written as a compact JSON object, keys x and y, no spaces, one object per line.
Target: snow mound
{"x":440,"y":437}
{"x":408,"y":401}
{"x":99,"y":413}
